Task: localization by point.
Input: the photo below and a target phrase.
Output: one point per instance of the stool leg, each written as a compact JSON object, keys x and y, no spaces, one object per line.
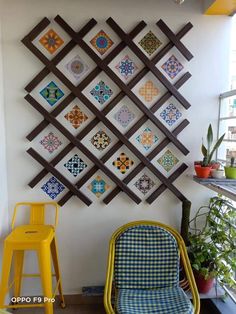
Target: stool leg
{"x":57,"y":270}
{"x":18,"y":268}
{"x":6,"y":268}
{"x":46,"y":276}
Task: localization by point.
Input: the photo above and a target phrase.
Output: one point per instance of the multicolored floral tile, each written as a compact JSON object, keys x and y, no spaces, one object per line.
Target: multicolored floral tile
{"x":76,"y":117}
{"x":53,"y":187}
{"x":170,"y":114}
{"x":172,"y":67}
{"x":51,"y":142}
{"x":101,"y":42}
{"x":168,"y":160}
{"x":148,"y":91}
{"x":75,"y":165}
{"x":144,"y":184}
{"x":77,"y":67}
{"x":126,"y":67}
{"x":52,"y":93}
{"x":101,"y":140}
{"x":123,"y":163}
{"x":98,"y":186}
{"x":150,"y":43}
{"x":101,"y":92}
{"x":147,"y":138}
{"x":51,"y":41}
{"x":124,"y":116}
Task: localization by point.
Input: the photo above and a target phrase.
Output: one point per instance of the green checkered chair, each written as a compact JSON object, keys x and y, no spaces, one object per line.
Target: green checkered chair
{"x":143,"y":268}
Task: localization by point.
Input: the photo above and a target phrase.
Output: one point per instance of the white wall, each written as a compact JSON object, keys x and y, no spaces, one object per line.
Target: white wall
{"x":83,"y":232}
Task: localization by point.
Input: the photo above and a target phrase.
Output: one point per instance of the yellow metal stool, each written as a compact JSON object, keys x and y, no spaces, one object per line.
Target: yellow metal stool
{"x":38,"y":237}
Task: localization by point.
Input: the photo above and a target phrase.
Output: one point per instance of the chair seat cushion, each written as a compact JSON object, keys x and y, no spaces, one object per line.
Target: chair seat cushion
{"x":160,"y":301}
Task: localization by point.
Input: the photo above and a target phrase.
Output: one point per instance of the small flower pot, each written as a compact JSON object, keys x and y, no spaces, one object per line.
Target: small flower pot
{"x":203,"y":285}
{"x":230,"y":172}
{"x":215,"y":165}
{"x":202,"y":172}
{"x":217,"y":174}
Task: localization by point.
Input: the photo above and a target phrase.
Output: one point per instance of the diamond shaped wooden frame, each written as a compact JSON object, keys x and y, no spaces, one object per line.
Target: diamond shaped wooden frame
{"x":126,"y":90}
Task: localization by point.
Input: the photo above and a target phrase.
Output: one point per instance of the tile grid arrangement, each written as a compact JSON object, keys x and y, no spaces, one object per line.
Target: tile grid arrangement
{"x":102,"y":92}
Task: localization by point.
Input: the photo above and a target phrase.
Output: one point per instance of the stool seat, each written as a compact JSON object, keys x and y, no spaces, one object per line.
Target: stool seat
{"x":31,"y":234}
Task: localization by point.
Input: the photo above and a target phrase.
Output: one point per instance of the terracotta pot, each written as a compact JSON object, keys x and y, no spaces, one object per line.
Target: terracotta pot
{"x":203,"y":285}
{"x":202,"y":172}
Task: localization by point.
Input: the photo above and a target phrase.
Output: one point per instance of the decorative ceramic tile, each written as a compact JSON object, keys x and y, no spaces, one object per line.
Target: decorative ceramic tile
{"x":77,"y":67}
{"x":52,"y":93}
{"x":101,"y":42}
{"x":75,"y":165}
{"x":150,"y":43}
{"x":170,"y":114}
{"x":148,"y":91}
{"x":126,"y":67}
{"x":124,"y":116}
{"x":51,"y":142}
{"x":147,"y":138}
{"x":144,"y":184}
{"x":53,"y":187}
{"x":101,"y":140}
{"x":76,"y":117}
{"x":123,"y":163}
{"x":101,"y":92}
{"x":51,"y":41}
{"x":98,"y":186}
{"x":168,"y":160}
{"x":172,"y":66}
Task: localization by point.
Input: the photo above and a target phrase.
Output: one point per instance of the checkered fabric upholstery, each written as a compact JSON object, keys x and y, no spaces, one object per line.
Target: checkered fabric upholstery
{"x":161,"y":301}
{"x":146,"y":257}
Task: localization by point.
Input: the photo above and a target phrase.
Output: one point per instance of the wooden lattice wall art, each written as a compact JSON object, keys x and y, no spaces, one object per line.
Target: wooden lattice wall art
{"x":111,"y":109}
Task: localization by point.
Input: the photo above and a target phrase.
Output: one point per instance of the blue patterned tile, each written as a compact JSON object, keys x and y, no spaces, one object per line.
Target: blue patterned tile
{"x":101,"y":92}
{"x":53,"y":187}
{"x":75,"y":165}
{"x":170,"y":114}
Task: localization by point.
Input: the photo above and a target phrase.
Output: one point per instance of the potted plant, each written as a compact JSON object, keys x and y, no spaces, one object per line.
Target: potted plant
{"x":212,"y":248}
{"x":203,"y":168}
{"x":230,"y":171}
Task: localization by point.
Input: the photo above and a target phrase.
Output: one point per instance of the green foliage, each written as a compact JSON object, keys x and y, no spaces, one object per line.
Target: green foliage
{"x":212,"y":249}
{"x":209,"y":151}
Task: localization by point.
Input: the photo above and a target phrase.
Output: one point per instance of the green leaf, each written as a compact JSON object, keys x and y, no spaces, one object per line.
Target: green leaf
{"x":209,"y":136}
{"x":217,"y":144}
{"x":204,"y":151}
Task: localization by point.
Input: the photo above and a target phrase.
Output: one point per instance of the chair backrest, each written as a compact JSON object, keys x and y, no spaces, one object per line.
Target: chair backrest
{"x":146,"y":257}
{"x":37,"y":212}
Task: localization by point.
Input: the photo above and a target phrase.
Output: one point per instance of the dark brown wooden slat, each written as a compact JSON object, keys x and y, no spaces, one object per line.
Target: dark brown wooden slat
{"x":141,"y":166}
{"x":162,"y":187}
{"x":59,"y":176}
{"x":116,"y":28}
{"x":178,"y":44}
{"x":37,"y":29}
{"x":81,"y":147}
{"x":119,"y":83}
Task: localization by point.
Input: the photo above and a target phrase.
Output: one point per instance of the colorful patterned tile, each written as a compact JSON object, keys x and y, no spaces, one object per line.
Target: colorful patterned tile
{"x":170,"y":114}
{"x":126,"y":67}
{"x":147,"y":138}
{"x":53,"y":187}
{"x":75,"y":165}
{"x":101,"y":92}
{"x":124,"y":116}
{"x":101,"y":140}
{"x":98,"y":186}
{"x":77,"y":67}
{"x":148,"y":91}
{"x":150,"y":43}
{"x":144,"y":184}
{"x":172,"y":67}
{"x":76,"y":117}
{"x":123,"y":163}
{"x":101,"y":42}
{"x":52,"y":93}
{"x":168,"y":160}
{"x":51,"y":41}
{"x":50,"y":142}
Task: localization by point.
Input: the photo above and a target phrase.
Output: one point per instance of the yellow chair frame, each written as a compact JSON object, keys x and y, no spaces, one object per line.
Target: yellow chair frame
{"x":183,"y":254}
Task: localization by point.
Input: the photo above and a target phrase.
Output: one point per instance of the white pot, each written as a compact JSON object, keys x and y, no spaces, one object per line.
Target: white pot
{"x":217,"y":174}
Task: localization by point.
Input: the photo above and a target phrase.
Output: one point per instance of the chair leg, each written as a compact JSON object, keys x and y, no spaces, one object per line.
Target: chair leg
{"x":46,"y":277}
{"x":57,"y":270}
{"x":6,"y":268}
{"x":18,"y":268}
